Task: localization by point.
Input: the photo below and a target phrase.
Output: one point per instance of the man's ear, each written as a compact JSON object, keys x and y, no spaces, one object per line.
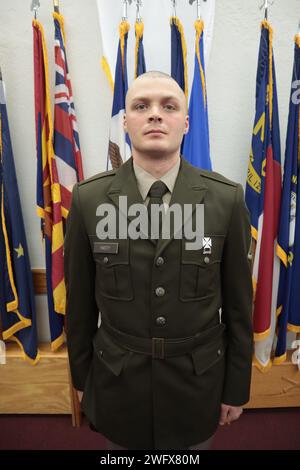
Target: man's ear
{"x":187,"y":124}
{"x":124,"y":123}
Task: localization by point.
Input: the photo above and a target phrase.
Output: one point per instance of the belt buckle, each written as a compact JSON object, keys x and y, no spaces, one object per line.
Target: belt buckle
{"x":158,"y":348}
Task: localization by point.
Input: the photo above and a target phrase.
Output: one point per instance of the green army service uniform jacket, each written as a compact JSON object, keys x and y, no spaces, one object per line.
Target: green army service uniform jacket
{"x":156,"y":371}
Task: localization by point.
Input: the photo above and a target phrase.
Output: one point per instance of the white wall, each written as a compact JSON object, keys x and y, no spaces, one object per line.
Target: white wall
{"x":231,"y":75}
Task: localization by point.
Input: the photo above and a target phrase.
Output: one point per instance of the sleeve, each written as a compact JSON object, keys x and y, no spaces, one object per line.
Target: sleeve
{"x":237,"y":304}
{"x":82,"y":311}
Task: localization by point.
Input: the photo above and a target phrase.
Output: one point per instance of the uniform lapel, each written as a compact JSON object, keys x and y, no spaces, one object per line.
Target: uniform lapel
{"x":189,"y":189}
{"x":125,"y":184}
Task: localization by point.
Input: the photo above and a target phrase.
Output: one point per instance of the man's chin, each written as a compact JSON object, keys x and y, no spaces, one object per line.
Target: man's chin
{"x":156,"y":152}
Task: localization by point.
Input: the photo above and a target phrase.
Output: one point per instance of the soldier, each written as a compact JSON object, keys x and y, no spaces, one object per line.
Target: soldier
{"x":172,"y":356}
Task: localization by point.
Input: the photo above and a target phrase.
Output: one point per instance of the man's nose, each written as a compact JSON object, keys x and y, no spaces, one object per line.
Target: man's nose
{"x":155,"y":115}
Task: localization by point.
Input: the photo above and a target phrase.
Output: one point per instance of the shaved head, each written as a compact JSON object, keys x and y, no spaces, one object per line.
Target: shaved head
{"x":156,"y":117}
{"x":154,"y":75}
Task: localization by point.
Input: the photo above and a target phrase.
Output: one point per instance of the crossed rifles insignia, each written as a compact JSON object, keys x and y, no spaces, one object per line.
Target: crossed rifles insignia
{"x":207,"y":245}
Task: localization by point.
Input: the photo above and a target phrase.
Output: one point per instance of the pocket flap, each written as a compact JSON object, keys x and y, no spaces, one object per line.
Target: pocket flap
{"x":110,"y":252}
{"x":208,"y":354}
{"x":108,"y":352}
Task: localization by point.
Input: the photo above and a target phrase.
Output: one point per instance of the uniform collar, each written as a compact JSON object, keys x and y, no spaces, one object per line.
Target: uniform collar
{"x":145,"y":179}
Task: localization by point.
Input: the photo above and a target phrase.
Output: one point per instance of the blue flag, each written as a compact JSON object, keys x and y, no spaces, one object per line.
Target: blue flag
{"x":196,"y":142}
{"x":140,"y":64}
{"x":119,"y":143}
{"x":178,"y":54}
{"x":16,"y":285}
{"x":288,"y":248}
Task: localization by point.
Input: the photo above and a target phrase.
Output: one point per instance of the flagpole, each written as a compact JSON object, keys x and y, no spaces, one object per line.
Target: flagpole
{"x":35,"y":5}
{"x":174,"y":2}
{"x":198,"y":10}
{"x":266,"y":5}
{"x":138,"y":12}
{"x":198,"y":7}
{"x":125,"y":9}
{"x":56,"y":6}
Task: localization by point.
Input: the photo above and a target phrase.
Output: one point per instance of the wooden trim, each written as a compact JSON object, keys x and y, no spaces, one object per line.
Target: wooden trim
{"x":40,"y":389}
{"x":45,"y":387}
{"x":279,"y":387}
{"x":39,"y":281}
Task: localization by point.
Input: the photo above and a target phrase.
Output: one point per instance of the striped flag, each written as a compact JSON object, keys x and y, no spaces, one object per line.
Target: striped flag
{"x":288,"y":247}
{"x":17,"y":304}
{"x":263,"y":195}
{"x":66,"y":138}
{"x":140,"y":64}
{"x":196,"y":142}
{"x":179,"y":70}
{"x":119,"y":143}
{"x":49,"y":206}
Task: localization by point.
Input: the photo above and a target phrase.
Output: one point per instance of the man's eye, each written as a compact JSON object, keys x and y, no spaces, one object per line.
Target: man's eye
{"x":140,"y":106}
{"x":170,"y":107}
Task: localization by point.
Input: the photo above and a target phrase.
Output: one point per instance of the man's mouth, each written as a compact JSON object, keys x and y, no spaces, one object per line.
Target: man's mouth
{"x":155,"y":131}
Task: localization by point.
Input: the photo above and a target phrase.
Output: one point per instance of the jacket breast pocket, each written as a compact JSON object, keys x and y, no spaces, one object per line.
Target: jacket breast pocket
{"x":108,"y":353}
{"x":113,"y":273}
{"x":200,"y":269}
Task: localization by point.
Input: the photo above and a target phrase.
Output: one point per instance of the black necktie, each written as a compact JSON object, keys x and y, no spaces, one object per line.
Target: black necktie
{"x":156,"y":193}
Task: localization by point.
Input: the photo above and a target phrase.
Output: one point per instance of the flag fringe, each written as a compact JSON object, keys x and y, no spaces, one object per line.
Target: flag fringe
{"x":13,"y":305}
{"x":297,"y":40}
{"x":123,"y":28}
{"x":57,"y":343}
{"x":254,"y":233}
{"x":263,"y":368}
{"x":262,"y":335}
{"x":278,"y":310}
{"x":106,"y":69}
{"x":61,"y":20}
{"x":50,"y":151}
{"x":27,"y":358}
{"x":294,"y":328}
{"x":23,"y":323}
{"x":139,"y":31}
{"x":177,"y":22}
{"x":282,"y":255}
{"x":265,"y":24}
{"x":199,"y":27}
{"x":279,"y":359}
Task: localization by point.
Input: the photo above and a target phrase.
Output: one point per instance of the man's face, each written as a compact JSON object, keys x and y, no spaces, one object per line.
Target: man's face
{"x":156,"y":117}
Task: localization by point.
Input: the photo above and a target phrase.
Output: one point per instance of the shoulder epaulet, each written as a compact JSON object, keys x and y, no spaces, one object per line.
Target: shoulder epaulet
{"x":98,"y":176}
{"x":212,"y":175}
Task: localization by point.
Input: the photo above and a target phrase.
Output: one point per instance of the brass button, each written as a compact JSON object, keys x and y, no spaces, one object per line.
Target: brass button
{"x":206,"y":260}
{"x":160,"y":321}
{"x":160,"y":291}
{"x":105,"y":260}
{"x":219,"y":352}
{"x":160,"y":261}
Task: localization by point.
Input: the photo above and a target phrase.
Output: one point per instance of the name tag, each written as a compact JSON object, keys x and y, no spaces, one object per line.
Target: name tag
{"x":101,"y":247}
